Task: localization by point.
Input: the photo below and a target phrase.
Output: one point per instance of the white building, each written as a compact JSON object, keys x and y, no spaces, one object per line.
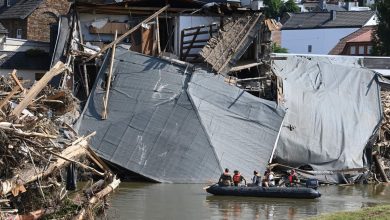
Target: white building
{"x":319,"y":32}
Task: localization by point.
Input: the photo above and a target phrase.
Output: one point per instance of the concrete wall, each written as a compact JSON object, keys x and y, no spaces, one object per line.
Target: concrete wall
{"x":322,"y":40}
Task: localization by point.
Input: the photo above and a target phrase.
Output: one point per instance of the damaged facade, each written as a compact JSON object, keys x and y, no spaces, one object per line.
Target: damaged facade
{"x":234,"y":43}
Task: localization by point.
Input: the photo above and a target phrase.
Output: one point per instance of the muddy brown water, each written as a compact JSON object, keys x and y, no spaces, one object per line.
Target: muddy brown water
{"x":189,"y":201}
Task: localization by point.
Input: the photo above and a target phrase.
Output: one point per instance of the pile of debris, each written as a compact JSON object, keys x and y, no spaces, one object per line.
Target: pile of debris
{"x":382,"y":147}
{"x":41,"y":155}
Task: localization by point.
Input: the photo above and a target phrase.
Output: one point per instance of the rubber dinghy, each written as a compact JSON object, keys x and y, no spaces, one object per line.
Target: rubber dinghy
{"x":258,"y":191}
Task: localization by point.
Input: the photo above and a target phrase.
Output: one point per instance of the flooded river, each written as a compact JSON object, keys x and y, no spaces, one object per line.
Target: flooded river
{"x":190,"y":201}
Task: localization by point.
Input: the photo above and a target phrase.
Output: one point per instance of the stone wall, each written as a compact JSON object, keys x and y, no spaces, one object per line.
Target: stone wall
{"x":48,"y":13}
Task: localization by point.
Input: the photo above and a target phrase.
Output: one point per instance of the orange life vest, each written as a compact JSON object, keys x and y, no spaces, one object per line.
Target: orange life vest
{"x":237,"y":178}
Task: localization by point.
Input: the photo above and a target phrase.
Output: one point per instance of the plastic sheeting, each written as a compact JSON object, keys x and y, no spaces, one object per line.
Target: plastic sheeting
{"x":333,"y":111}
{"x":155,"y":130}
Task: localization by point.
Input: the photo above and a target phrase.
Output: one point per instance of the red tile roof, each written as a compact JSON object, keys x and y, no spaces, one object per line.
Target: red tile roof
{"x":361,"y":35}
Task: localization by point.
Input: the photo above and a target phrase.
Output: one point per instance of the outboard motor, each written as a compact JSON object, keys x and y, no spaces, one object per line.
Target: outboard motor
{"x":312,"y":183}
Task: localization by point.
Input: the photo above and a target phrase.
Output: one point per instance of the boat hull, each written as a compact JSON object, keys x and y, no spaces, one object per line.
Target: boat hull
{"x":257,"y":191}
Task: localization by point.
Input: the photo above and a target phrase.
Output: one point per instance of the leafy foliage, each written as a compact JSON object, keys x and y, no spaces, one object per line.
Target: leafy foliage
{"x":381,"y":39}
{"x":276,"y":8}
{"x":278,"y":49}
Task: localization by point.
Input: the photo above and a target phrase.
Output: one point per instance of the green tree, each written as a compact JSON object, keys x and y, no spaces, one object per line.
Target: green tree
{"x":273,"y":9}
{"x":381,"y":37}
{"x":290,"y":6}
{"x":276,"y":8}
{"x":278,"y":49}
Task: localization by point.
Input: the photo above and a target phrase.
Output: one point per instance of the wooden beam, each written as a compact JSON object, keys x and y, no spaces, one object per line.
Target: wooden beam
{"x":158,"y":36}
{"x":15,"y":78}
{"x":380,"y":167}
{"x":246,"y":66}
{"x":9,"y":96}
{"x":123,"y":36}
{"x":108,"y":83}
{"x":37,"y":88}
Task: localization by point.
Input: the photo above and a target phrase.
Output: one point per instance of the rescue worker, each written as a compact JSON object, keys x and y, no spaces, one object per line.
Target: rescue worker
{"x":256,"y":179}
{"x":225,"y":179}
{"x":237,"y":178}
{"x":268,"y":178}
{"x":293,"y":178}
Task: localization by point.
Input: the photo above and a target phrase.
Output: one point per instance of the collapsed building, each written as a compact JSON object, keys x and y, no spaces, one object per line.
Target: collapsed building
{"x":178,"y":92}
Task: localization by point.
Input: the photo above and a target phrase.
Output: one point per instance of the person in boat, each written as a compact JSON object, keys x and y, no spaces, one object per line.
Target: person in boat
{"x":256,"y":179}
{"x":238,"y":178}
{"x":269,"y":178}
{"x":293,"y":178}
{"x":225,"y":179}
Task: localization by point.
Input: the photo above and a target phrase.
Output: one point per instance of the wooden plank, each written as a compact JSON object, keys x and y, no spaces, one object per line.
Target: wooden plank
{"x":199,"y":33}
{"x":9,"y":96}
{"x":123,"y":36}
{"x":196,"y":41}
{"x":380,"y":167}
{"x":245,"y":66}
{"x":193,"y":46}
{"x":105,"y":100}
{"x":147,"y":41}
{"x":37,"y":88}
{"x":15,"y":78}
{"x":158,"y":36}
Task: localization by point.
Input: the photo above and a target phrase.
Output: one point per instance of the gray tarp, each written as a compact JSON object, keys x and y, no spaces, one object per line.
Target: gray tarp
{"x":333,"y":111}
{"x":153,"y":128}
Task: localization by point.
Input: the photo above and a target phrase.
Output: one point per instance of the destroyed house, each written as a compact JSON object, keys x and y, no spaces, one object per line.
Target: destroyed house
{"x":163,"y":100}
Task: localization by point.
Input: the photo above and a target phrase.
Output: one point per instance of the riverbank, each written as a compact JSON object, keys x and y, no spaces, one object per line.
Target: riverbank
{"x":376,"y":212}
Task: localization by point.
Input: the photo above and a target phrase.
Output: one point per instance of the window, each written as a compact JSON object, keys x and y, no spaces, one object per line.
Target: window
{"x":309,"y":48}
{"x":19,"y":33}
{"x":361,"y":50}
{"x":369,"y":49}
{"x":8,"y":3}
{"x":352,"y":50}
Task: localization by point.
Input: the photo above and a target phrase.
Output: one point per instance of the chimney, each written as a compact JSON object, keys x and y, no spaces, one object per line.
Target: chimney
{"x":333,"y":15}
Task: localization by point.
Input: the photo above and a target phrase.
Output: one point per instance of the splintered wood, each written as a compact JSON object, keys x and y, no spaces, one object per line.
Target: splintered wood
{"x":38,"y":147}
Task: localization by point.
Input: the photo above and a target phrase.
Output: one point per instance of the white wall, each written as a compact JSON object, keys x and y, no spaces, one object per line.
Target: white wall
{"x":18,"y":45}
{"x":322,"y":40}
{"x":373,"y":21}
{"x":27,"y":75}
{"x":187,"y":21}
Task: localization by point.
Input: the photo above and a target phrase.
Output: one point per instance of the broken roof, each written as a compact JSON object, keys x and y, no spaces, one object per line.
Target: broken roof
{"x":313,"y":20}
{"x":17,"y":60}
{"x":333,"y":112}
{"x":21,"y":9}
{"x":174,"y":124}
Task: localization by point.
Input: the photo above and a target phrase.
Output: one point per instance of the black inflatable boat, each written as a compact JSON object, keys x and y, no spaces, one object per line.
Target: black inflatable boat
{"x":258,"y":191}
